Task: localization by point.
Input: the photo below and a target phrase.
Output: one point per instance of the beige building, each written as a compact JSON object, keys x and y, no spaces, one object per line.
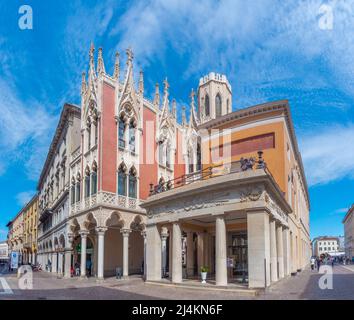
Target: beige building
{"x":30,"y":222}
{"x":348,"y":222}
{"x":15,"y":237}
{"x":246,"y":220}
{"x":326,"y":245}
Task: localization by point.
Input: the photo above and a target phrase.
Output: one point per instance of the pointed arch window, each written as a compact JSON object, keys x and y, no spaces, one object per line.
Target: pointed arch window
{"x":87,"y":183}
{"x":132,"y":183}
{"x":78,"y":190}
{"x":94,"y":180}
{"x":228,"y":105}
{"x":72,"y":191}
{"x":132,"y":128}
{"x":122,"y":180}
{"x":121,"y":131}
{"x":218,"y":105}
{"x":168,"y":155}
{"x":89,"y":137}
{"x":199,"y":157}
{"x":161,"y":153}
{"x":207,"y":106}
{"x":190,"y":160}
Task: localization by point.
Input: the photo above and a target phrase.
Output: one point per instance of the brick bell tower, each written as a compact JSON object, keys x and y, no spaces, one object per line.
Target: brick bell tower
{"x":214,"y":97}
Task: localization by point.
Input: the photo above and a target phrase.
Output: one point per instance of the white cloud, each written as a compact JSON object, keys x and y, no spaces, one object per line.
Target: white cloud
{"x":328,"y":155}
{"x":24,"y":129}
{"x":24,"y":197}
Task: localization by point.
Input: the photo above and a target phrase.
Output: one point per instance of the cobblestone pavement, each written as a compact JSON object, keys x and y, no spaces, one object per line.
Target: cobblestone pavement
{"x":302,"y":286}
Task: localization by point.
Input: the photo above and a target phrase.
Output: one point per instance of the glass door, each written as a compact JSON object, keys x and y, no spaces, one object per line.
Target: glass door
{"x":238,"y":251}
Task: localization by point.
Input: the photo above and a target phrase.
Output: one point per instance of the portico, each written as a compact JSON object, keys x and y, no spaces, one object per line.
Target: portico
{"x":234,"y":224}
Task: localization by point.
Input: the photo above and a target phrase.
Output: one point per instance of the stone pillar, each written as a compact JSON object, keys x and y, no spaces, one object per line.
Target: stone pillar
{"x":280,"y":251}
{"x":100,"y":263}
{"x":273,"y":252}
{"x":67,"y":257}
{"x":170,"y":254}
{"x":190,"y":254}
{"x":286,"y":248}
{"x":60,"y":264}
{"x":164,"y":236}
{"x":153,"y":253}
{"x":176,"y":253}
{"x":54,"y":262}
{"x":220,"y":252}
{"x":143,"y":234}
{"x":83,"y":234}
{"x":125,"y":234}
{"x":200,"y":250}
{"x":258,"y":249}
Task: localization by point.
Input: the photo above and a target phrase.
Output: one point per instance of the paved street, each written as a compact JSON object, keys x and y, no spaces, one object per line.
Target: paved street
{"x":47,"y":286}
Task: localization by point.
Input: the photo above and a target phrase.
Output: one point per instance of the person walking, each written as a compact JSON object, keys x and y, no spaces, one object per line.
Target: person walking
{"x":318,"y":261}
{"x":313,"y":260}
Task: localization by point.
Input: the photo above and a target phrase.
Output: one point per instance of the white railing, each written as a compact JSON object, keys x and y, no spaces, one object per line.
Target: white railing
{"x":104,"y":198}
{"x":75,"y":154}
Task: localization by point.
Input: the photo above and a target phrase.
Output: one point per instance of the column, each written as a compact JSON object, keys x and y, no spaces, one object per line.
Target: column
{"x":220,"y":252}
{"x":60,"y":263}
{"x":258,"y":249}
{"x":164,"y":236}
{"x":286,"y":248}
{"x":176,"y":253}
{"x":273,"y":252}
{"x":100,"y":263}
{"x":54,"y":262}
{"x":143,"y":234}
{"x":200,"y":250}
{"x":280,"y":251}
{"x":190,"y":254}
{"x":67,"y":268}
{"x":83,"y":235}
{"x":125,"y":234}
{"x":153,"y":253}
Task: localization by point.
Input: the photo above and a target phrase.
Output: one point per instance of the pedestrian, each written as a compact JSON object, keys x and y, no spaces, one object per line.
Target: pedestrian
{"x":318,"y":260}
{"x":313,"y":260}
{"x":88,"y":267}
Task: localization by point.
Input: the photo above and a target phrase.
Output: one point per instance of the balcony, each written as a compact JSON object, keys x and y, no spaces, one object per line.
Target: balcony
{"x":105,"y":198}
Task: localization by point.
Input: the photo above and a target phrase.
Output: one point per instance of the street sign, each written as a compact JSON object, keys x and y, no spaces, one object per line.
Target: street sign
{"x":14,"y":260}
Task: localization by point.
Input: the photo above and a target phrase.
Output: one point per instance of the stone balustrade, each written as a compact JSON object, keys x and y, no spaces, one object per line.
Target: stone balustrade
{"x":104,"y":198}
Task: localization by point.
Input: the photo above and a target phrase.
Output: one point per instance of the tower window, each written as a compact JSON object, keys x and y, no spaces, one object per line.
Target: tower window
{"x":218,"y":105}
{"x":207,"y":106}
{"x":122,"y":181}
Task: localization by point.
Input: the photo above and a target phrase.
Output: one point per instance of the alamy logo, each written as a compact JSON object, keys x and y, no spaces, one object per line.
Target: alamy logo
{"x":326,"y":281}
{"x":326,"y":17}
{"x":25,"y":281}
{"x":26,"y":19}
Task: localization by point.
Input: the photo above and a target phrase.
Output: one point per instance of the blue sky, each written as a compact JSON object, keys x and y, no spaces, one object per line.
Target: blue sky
{"x":269,"y":50}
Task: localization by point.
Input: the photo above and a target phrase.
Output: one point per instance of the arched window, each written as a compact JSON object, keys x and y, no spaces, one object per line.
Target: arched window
{"x":168,"y":155}
{"x":87,"y":183}
{"x":199,"y":157}
{"x":218,"y":105}
{"x":161,"y":155}
{"x":190,"y":161}
{"x":122,"y":180}
{"x":121,"y":130}
{"x":207,"y":106}
{"x":89,"y":137}
{"x":94,"y":180}
{"x":78,"y":189}
{"x":132,"y":183}
{"x":228,"y":106}
{"x":132,"y":136}
{"x":72,"y":191}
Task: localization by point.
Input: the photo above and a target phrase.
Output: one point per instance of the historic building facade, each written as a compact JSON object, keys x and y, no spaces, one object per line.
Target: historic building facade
{"x":127,"y":188}
{"x":30,"y":223}
{"x":326,"y":246}
{"x":348,"y":222}
{"x":53,"y":192}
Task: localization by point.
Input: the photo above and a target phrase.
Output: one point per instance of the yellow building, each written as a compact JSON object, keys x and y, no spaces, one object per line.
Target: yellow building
{"x":30,"y":222}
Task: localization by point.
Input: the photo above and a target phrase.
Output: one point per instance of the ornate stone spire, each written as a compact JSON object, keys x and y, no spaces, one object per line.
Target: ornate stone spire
{"x":92,"y":52}
{"x":166,"y":87}
{"x":100,"y":64}
{"x":193,"y":116}
{"x":116,"y":67}
{"x":92,"y":72}
{"x":184,"y":118}
{"x":141,"y":82}
{"x":157,"y":95}
{"x":130,"y":56}
{"x":83,"y":83}
{"x":174,"y":107}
